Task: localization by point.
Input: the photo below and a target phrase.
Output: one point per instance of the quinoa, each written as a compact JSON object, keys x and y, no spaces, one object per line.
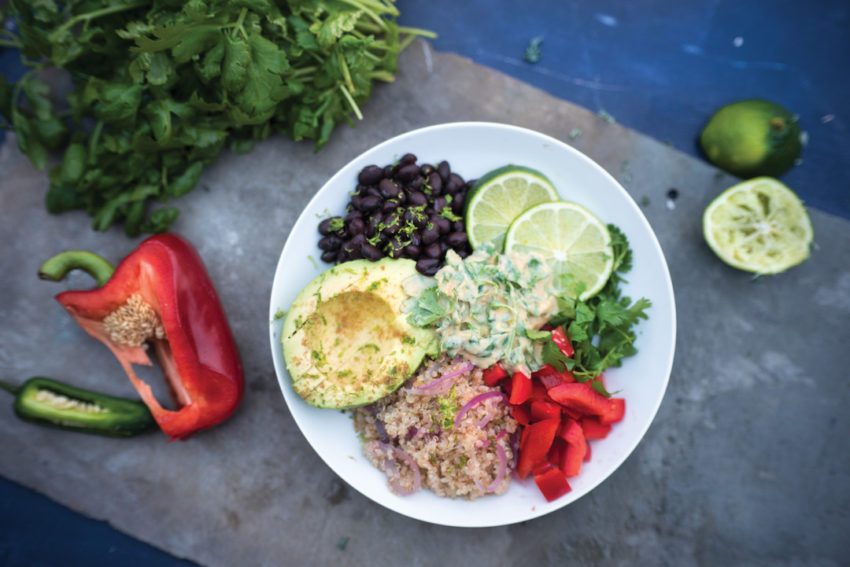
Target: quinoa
{"x":416,"y":425}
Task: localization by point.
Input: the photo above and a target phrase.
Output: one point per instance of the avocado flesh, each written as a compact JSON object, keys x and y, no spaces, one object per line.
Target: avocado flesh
{"x":346,"y":341}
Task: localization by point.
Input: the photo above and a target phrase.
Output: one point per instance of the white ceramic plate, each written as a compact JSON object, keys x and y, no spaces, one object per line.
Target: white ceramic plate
{"x":472,"y":149}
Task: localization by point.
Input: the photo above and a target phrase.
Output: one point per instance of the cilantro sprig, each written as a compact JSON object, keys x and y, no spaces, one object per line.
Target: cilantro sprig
{"x":161,"y":88}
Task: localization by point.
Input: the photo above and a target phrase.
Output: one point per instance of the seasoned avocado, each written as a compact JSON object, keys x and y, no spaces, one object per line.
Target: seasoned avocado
{"x":346,"y":342}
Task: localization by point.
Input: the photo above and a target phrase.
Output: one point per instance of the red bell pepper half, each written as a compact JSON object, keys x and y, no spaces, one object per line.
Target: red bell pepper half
{"x":162,"y":295}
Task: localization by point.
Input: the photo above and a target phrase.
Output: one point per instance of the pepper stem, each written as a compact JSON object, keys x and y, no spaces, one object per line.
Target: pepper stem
{"x":56,"y":268}
{"x":9,"y":387}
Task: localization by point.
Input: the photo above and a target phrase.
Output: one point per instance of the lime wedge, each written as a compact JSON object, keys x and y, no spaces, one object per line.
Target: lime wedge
{"x":573,"y":241}
{"x":759,"y":226}
{"x":500,"y":196}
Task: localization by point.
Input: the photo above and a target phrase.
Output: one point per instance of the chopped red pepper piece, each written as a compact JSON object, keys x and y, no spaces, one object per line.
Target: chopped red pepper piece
{"x":615,"y":411}
{"x":536,"y":440}
{"x":581,"y":397}
{"x":520,"y":388}
{"x":161,"y":294}
{"x":593,"y":428}
{"x":494,"y":375}
{"x":560,"y":338}
{"x":576,"y":448}
{"x":552,"y":484}
{"x":541,"y":409}
{"x":521,"y":414}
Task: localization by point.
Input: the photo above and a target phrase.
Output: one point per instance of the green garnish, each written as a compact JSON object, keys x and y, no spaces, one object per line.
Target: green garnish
{"x":161,"y":88}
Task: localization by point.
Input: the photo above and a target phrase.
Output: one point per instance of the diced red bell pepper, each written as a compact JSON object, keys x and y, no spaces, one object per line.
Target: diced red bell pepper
{"x":538,"y":392}
{"x":552,"y":484}
{"x":560,"y":338}
{"x":576,"y":447}
{"x":520,"y":388}
{"x":542,"y":409}
{"x":162,"y":294}
{"x":570,"y":431}
{"x":534,"y":445}
{"x":587,"y":454}
{"x":543,"y":371}
{"x":521,"y":414}
{"x":615,"y":411}
{"x":494,"y":375}
{"x":543,"y":467}
{"x":593,"y":428}
{"x":581,"y":397}
{"x":556,"y":451}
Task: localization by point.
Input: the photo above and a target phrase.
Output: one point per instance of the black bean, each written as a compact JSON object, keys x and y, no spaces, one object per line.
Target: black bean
{"x":411,"y":251}
{"x":389,"y":206}
{"x":388,"y":171}
{"x":372,"y":225}
{"x":428,"y":266}
{"x":371,"y":252}
{"x":436,"y":183}
{"x":427,"y":168}
{"x":407,"y":172}
{"x":330,"y":242}
{"x":456,"y":240}
{"x":430,"y":234}
{"x":416,"y":183}
{"x":464,"y":252}
{"x":329,"y":256}
{"x":353,"y":214}
{"x":355,"y":203}
{"x":389,"y":189}
{"x":394,"y":248}
{"x":373,"y":192}
{"x":417,"y":199}
{"x":454,"y":184}
{"x":370,"y":175}
{"x":439,"y":204}
{"x":457,"y":203}
{"x":444,"y":170}
{"x":391,"y":225}
{"x":444,"y":226}
{"x":415,"y":238}
{"x":469,"y":184}
{"x":433,"y":250}
{"x":356,"y":226}
{"x":369,"y":203}
{"x":458,"y":226}
{"x":325,"y":227}
{"x":407,"y":158}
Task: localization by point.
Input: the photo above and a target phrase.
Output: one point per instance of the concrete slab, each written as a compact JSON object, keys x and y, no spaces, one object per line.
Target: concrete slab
{"x":746,"y":462}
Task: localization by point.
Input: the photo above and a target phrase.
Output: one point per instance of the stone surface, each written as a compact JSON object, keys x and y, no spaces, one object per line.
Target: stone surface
{"x":746,"y":462}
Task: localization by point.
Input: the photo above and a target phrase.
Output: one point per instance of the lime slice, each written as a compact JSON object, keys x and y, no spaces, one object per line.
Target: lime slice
{"x":499,"y":197}
{"x":572,"y":240}
{"x":759,"y":226}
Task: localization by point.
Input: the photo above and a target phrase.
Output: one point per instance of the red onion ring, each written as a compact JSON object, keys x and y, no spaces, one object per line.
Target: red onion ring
{"x":501,"y":471}
{"x":477,"y":400}
{"x":439,"y":385}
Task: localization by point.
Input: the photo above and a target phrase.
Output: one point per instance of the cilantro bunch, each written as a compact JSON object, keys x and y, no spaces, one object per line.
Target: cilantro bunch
{"x":160,"y":87}
{"x":601,"y":328}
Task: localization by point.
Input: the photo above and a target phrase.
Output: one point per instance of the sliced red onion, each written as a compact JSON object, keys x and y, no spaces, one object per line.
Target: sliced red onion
{"x":390,"y":468}
{"x":501,"y":471}
{"x":477,"y":400}
{"x":442,"y":383}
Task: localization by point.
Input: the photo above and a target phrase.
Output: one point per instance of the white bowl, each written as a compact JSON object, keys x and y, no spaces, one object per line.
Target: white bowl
{"x":472,"y":149}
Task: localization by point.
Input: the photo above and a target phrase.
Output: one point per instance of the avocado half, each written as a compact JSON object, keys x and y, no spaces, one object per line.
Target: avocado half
{"x":346,"y":341}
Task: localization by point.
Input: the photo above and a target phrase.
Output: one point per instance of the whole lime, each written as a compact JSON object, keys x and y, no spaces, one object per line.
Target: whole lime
{"x":752,"y":138}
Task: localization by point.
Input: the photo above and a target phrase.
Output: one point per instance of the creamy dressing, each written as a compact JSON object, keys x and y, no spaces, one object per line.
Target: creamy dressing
{"x":486,"y":305}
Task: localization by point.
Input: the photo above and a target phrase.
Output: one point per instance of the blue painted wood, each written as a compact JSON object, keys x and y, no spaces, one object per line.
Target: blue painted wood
{"x":656,"y":66}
